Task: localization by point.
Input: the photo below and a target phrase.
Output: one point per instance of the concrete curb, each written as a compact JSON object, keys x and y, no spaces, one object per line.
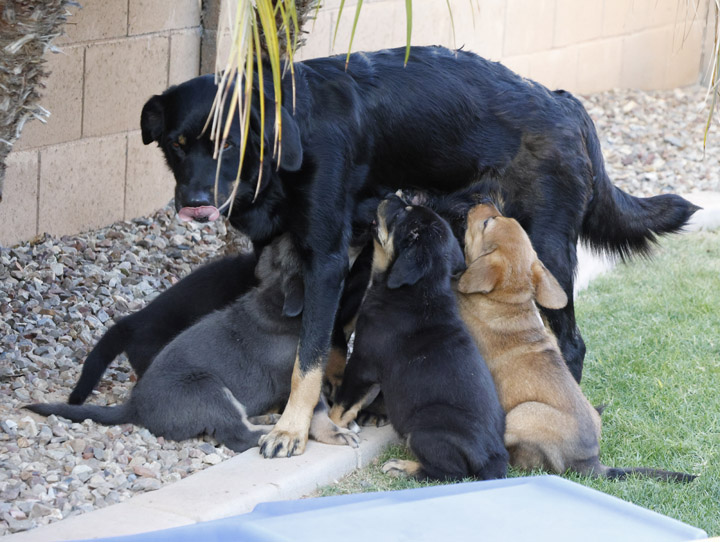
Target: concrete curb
{"x":233,"y":487}
{"x":238,"y":484}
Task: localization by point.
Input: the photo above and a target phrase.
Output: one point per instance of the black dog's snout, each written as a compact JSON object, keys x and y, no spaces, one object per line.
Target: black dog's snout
{"x":197,"y":202}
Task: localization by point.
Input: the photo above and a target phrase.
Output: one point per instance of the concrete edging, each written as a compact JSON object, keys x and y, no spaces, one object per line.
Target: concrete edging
{"x":230,"y":488}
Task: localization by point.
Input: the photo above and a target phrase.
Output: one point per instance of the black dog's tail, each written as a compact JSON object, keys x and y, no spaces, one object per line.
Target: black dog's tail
{"x":593,"y":467}
{"x":617,"y":222}
{"x":107,"y":349}
{"x":618,"y":473}
{"x":107,"y":415}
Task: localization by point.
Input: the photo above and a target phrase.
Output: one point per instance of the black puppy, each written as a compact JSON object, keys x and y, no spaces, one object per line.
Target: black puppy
{"x":143,"y":334}
{"x":231,"y":366}
{"x":444,"y":121}
{"x":411,"y":341}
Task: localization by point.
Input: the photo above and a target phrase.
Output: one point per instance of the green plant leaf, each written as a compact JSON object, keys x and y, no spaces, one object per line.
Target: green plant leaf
{"x":408,"y":17}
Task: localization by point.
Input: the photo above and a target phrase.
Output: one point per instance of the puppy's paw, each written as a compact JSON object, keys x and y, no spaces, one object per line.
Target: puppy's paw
{"x":401,"y":468}
{"x":280,"y":443}
{"x":324,"y":430}
{"x":339,"y":436}
{"x":265,"y":419}
{"x":371,"y":419}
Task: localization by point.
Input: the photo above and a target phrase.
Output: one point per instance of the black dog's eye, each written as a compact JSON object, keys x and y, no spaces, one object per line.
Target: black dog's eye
{"x":227,"y":145}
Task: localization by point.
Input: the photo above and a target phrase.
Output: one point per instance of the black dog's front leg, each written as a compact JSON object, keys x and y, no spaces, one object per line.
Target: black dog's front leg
{"x":323,"y":286}
{"x":561,"y":260}
{"x":562,"y":322}
{"x":359,"y":388}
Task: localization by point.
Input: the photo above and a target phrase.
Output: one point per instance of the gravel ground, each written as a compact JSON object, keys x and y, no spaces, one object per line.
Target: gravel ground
{"x":57,"y":297}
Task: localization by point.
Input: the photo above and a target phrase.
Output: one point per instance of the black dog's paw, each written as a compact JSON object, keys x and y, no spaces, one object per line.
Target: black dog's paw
{"x":370,"y":419}
{"x":401,"y":468}
{"x":279,"y":443}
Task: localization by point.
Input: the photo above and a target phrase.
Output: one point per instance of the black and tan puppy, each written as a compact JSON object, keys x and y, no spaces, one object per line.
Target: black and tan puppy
{"x":231,"y":366}
{"x":411,"y":342}
{"x":549,"y":424}
{"x":143,"y":334}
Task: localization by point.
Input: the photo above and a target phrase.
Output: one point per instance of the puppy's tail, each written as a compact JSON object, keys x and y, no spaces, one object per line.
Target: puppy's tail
{"x":107,"y":349}
{"x":107,"y":415}
{"x":599,"y":470}
{"x":620,"y":223}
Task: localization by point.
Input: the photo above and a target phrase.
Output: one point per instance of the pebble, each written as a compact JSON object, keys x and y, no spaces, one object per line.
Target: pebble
{"x":58,"y":296}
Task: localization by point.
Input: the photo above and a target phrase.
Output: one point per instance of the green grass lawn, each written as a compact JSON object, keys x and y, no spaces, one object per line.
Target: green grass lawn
{"x":652,"y":330}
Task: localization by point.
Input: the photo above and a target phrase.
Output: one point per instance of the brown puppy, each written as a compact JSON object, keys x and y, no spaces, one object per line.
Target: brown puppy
{"x":549,"y":424}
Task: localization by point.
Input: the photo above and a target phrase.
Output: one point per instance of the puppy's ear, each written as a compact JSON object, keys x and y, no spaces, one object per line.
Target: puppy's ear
{"x":457,"y":260}
{"x":294,"y":291}
{"x":407,"y":269}
{"x":291,"y":151}
{"x":548,"y":292}
{"x":481,"y":276}
{"x":152,"y":119}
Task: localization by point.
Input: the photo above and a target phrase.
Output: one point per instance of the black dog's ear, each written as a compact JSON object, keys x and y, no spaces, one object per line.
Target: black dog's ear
{"x":152,"y":120}
{"x":457,"y":259}
{"x":294,"y":291}
{"x":291,"y":151}
{"x":407,"y":269}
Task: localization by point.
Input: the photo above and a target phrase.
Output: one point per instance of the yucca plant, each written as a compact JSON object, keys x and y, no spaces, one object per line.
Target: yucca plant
{"x":264,"y":32}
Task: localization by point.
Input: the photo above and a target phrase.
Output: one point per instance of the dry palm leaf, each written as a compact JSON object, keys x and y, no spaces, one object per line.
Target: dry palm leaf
{"x":27,"y":28}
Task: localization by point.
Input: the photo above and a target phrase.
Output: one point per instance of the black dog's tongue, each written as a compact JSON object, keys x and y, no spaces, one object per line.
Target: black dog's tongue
{"x":206,"y":212}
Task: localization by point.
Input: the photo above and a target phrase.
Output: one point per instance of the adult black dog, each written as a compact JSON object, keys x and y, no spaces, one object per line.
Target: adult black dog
{"x":446,"y":120}
{"x":230,"y":367}
{"x":411,"y":341}
{"x":143,"y":334}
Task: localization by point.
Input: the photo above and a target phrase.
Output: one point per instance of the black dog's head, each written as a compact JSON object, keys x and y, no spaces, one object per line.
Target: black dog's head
{"x":413,"y":243}
{"x":175,"y":120}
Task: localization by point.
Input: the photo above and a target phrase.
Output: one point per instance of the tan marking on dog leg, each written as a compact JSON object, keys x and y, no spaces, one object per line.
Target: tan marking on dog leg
{"x":343,"y":417}
{"x":290,"y":434}
{"x":401,"y":467}
{"x":383,"y":245}
{"x":380,"y":260}
{"x":349,"y":328}
{"x":335,"y":369}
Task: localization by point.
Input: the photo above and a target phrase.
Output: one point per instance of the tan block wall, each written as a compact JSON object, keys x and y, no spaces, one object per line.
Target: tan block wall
{"x":87,"y":167}
{"x":580,"y":45}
